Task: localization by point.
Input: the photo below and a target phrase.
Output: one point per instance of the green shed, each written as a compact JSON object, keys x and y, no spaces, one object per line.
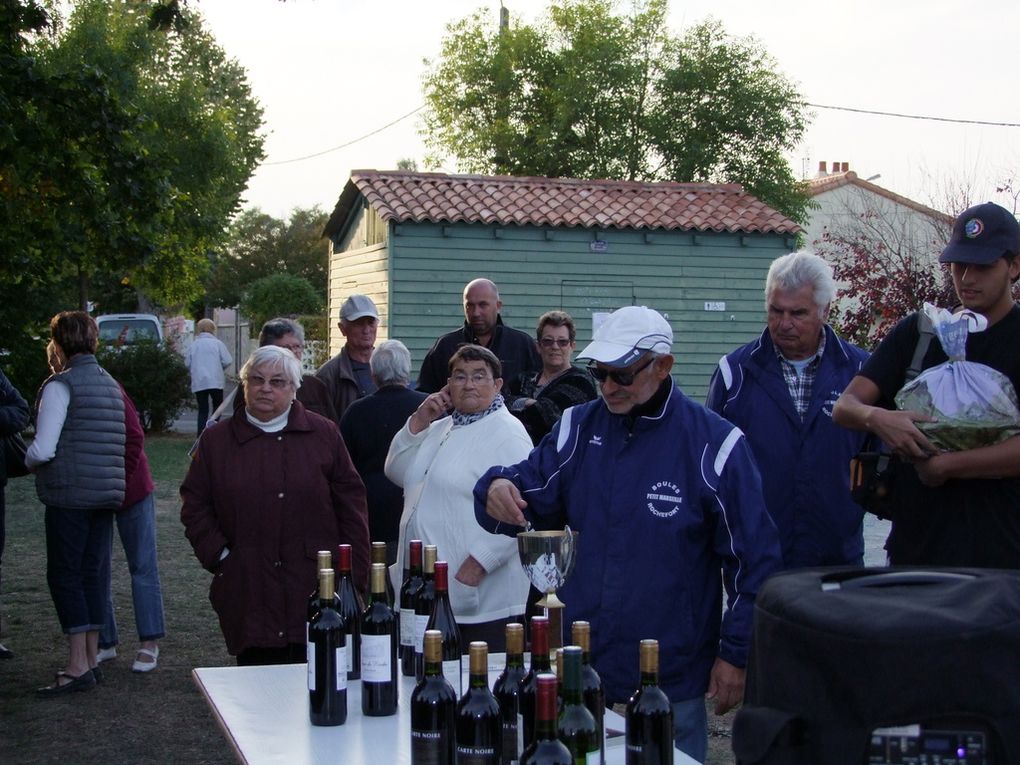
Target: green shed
{"x":697,"y":253}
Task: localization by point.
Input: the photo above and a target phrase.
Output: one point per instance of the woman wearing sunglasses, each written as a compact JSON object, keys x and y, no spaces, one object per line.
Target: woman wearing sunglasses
{"x":539,"y":398}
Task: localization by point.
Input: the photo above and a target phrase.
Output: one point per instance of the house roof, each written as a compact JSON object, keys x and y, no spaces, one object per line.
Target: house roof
{"x":816,"y":186}
{"x":501,"y":200}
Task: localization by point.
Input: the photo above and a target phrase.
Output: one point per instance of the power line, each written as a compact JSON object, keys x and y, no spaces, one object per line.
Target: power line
{"x":914,"y":116}
{"x":349,"y":143}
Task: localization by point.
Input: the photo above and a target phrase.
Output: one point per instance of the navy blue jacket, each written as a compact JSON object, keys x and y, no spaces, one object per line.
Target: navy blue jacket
{"x":804,"y":465}
{"x":668,"y":508}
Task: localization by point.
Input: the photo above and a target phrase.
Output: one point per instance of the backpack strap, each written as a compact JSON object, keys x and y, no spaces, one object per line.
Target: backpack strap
{"x":925,"y":332}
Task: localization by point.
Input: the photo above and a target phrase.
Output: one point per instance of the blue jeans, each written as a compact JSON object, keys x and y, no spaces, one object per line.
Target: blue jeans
{"x":77,"y":544}
{"x":690,"y":728}
{"x":137,"y":528}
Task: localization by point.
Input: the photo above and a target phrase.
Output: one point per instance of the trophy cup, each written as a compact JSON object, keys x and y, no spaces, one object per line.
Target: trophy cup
{"x":548,"y":558}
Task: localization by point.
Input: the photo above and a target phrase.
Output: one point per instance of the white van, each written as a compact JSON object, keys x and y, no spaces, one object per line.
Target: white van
{"x":127,"y":328}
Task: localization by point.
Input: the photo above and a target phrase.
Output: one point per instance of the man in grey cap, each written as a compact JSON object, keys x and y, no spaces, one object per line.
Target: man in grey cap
{"x":347,"y":375}
{"x":668,"y":505}
{"x":952,"y":508}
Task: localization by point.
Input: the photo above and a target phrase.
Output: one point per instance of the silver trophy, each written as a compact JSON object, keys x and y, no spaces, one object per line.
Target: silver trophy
{"x":548,"y":558}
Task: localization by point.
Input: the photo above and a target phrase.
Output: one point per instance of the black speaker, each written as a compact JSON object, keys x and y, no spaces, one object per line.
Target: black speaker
{"x":882,"y":667}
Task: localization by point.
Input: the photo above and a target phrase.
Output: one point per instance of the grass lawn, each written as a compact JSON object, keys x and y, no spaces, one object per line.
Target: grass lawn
{"x":157,"y":717}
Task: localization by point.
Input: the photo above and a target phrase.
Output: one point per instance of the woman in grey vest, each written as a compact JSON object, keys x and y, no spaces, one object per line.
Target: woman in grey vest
{"x":78,"y":461}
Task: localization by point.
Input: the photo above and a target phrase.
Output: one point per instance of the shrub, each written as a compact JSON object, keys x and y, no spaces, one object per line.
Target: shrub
{"x":154,"y":376}
{"x":280,"y":294}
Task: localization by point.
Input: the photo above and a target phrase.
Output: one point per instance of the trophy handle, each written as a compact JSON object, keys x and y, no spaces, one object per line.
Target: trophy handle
{"x":568,"y":549}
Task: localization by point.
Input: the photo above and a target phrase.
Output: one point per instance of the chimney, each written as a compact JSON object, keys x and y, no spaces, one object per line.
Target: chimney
{"x":835,"y":167}
{"x":845,"y":167}
{"x":822,"y":172}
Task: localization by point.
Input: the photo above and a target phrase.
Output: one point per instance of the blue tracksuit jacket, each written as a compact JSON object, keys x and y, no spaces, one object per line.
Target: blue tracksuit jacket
{"x":804,"y":465}
{"x":667,"y":511}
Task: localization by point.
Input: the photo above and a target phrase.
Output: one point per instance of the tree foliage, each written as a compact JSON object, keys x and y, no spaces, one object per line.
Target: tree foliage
{"x":155,"y":377}
{"x":589,"y":93}
{"x":280,"y":294}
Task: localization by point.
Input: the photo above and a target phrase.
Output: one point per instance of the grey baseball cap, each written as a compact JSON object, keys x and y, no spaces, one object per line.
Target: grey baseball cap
{"x":358,"y":306}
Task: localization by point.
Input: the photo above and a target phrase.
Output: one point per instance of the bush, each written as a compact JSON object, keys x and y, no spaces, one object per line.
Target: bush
{"x":154,"y":376}
{"x":280,"y":294}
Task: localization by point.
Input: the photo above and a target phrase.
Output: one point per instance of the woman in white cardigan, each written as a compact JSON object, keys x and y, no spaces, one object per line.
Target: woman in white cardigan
{"x":453,"y":437}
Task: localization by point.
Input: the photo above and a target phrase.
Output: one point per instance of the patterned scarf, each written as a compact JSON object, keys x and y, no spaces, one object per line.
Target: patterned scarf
{"x":460,"y":419}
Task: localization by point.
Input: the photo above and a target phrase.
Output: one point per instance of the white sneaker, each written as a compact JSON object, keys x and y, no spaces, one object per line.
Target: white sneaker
{"x":105,"y":654}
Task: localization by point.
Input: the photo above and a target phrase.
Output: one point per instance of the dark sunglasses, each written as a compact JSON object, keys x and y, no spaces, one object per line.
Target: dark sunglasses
{"x":551,"y":342}
{"x":622,"y":377}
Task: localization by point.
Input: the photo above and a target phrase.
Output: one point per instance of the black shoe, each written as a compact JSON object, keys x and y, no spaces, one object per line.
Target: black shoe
{"x":6,"y":653}
{"x":86,"y":681}
{"x":97,"y":673}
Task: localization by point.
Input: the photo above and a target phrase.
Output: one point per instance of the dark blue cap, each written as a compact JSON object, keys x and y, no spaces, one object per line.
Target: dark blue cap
{"x":982,"y":234}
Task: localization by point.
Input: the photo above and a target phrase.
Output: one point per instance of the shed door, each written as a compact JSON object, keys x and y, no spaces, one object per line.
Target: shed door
{"x":582,"y":300}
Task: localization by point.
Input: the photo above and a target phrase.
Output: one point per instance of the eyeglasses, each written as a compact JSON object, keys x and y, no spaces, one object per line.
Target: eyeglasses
{"x":277,"y":383}
{"x":622,"y":377}
{"x":550,"y":342}
{"x":292,"y":347}
{"x":478,"y":378}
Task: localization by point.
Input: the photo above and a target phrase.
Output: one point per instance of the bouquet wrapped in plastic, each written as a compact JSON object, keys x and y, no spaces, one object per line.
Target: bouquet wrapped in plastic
{"x":974,"y":405}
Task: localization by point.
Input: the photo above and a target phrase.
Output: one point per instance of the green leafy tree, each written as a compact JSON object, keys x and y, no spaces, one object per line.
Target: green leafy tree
{"x":279,"y":295}
{"x":155,"y":377}
{"x":589,"y":93}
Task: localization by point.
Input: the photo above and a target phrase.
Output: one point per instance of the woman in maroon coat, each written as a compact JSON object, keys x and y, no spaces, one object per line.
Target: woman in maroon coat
{"x":266,"y":490}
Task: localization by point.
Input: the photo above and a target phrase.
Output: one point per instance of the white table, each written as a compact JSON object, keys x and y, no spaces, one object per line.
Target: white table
{"x":263,"y":712}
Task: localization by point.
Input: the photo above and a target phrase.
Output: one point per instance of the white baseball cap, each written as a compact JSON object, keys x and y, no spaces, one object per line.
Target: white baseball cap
{"x":358,"y":306}
{"x":628,"y":333}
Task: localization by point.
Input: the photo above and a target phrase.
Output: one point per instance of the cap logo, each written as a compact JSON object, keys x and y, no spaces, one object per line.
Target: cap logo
{"x":973,"y":228}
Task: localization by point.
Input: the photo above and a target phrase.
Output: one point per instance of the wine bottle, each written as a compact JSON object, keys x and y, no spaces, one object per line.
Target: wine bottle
{"x":433,"y":709}
{"x":324,"y":561}
{"x":378,"y":650}
{"x":591,"y":684}
{"x":442,"y":619}
{"x":546,"y":749}
{"x":558,"y":663}
{"x":423,"y":608}
{"x":507,"y":690}
{"x":379,"y":556}
{"x":649,"y":719}
{"x":479,"y":725}
{"x":327,"y":657}
{"x":576,"y":725}
{"x":408,"y":596}
{"x":350,"y":609}
{"x":539,"y":664}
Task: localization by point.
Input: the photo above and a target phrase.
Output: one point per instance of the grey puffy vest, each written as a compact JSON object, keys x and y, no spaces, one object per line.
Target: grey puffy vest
{"x":88,"y":469}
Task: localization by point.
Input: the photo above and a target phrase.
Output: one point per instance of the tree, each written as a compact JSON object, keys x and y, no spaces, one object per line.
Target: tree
{"x":259,"y":245}
{"x":591,"y":94}
{"x":279,"y":295}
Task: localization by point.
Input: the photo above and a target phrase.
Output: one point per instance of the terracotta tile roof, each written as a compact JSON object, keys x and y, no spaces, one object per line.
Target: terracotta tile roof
{"x":816,"y":186}
{"x":501,"y":200}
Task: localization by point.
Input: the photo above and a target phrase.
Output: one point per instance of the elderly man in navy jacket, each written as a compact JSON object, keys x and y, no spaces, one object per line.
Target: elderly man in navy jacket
{"x":668,"y":503}
{"x":780,"y":389}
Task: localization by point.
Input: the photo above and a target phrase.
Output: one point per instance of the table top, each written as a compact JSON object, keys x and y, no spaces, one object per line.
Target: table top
{"x":263,"y":711}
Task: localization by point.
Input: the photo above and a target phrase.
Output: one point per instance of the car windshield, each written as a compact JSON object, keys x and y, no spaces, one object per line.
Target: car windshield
{"x":127,"y":331}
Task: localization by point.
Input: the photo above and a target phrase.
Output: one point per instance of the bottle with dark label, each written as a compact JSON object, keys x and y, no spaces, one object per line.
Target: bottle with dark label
{"x":442,"y":619}
{"x":324,"y":561}
{"x":507,"y":690}
{"x":408,"y":597}
{"x":379,"y":556}
{"x":433,"y":709}
{"x":591,"y":683}
{"x":350,"y":609}
{"x":577,"y":728}
{"x":327,"y":657}
{"x":539,"y":664}
{"x":649,"y":728}
{"x":546,"y":749}
{"x":423,"y":607}
{"x":378,"y":650}
{"x":479,"y":724}
{"x":558,"y":664}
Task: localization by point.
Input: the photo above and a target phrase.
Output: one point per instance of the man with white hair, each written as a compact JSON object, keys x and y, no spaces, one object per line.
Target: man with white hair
{"x":668,"y":503}
{"x":780,"y":389}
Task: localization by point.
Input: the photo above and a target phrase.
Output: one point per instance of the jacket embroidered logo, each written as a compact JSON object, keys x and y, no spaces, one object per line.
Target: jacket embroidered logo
{"x":595,"y":440}
{"x":664,"y":499}
{"x":830,"y":402}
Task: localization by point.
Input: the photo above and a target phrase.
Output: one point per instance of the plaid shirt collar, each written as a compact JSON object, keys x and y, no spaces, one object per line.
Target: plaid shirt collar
{"x":801,"y":384}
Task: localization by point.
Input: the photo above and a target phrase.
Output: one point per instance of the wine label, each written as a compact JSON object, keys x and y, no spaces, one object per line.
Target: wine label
{"x":375,"y":659}
{"x":454,"y":672}
{"x":311,"y":666}
{"x":420,"y":623}
{"x":476,"y":755}
{"x":341,"y":669}
{"x":593,"y":758}
{"x":407,"y":627}
{"x":349,"y":653}
{"x":428,"y":747}
{"x":513,"y":736}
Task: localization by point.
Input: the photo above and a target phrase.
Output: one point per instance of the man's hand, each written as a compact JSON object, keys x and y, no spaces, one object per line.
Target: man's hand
{"x":504,"y":503}
{"x":470,"y":572}
{"x":900,"y":434}
{"x":726,"y":686}
{"x":435,"y":405}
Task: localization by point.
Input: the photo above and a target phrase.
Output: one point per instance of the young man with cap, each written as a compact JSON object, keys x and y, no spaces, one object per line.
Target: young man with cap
{"x":347,"y":375}
{"x":953,"y":508}
{"x":669,"y":506}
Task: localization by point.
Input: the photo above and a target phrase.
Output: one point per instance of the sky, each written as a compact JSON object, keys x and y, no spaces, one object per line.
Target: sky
{"x":330,"y":72}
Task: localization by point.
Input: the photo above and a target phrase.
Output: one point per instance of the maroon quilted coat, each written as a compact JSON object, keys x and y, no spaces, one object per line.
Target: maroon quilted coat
{"x":274,"y":500}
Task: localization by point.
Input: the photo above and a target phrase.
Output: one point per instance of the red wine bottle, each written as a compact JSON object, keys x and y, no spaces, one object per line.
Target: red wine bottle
{"x":442,"y":619}
{"x":507,"y":689}
{"x":324,"y":561}
{"x":433,"y":709}
{"x":423,"y":609}
{"x":539,"y":665}
{"x":379,"y":556}
{"x":327,"y":656}
{"x":546,"y":749}
{"x":576,"y":726}
{"x":479,"y":724}
{"x":408,"y":597}
{"x":591,"y":684}
{"x":378,"y":650}
{"x":649,"y":719}
{"x":350,"y":609}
